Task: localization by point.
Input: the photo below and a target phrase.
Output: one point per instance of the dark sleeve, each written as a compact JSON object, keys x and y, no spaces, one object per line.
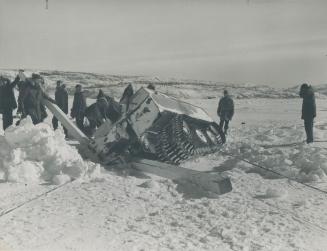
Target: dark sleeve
{"x":66,"y":102}
{"x":83,"y":102}
{"x":14,"y":83}
{"x":73,"y":110}
{"x":314,"y":108}
{"x":57,"y":97}
{"x":232,"y":108}
{"x":219,"y":107}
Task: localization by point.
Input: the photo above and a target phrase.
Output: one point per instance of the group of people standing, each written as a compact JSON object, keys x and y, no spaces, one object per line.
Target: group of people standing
{"x":103,"y":109}
{"x":226,"y":110}
{"x":30,"y":96}
{"x":31,"y":93}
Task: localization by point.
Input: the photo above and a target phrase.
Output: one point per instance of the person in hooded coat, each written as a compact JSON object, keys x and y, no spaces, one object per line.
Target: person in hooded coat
{"x":61,"y":97}
{"x":79,"y":106}
{"x":225,"y":111}
{"x":7,"y":100}
{"x":308,"y":110}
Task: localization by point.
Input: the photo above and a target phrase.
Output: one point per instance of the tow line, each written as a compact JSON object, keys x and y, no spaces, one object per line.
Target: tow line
{"x":275,"y":172}
{"x":5,"y":212}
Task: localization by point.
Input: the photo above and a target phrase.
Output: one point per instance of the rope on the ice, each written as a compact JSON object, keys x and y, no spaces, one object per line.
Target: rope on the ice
{"x":290,"y":144}
{"x":32,"y":199}
{"x":283,"y":145}
{"x":274,"y":206}
{"x":300,"y":219}
{"x":275,"y":172}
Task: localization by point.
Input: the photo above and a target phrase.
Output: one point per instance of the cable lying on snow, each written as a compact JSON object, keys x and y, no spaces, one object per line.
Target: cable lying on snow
{"x":274,"y":172}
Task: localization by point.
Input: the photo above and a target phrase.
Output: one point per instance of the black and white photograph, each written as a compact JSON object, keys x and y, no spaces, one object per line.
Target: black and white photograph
{"x":145,"y":125}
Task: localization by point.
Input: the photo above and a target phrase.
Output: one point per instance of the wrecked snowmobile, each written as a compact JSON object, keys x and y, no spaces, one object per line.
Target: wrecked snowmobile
{"x":154,"y":134}
{"x":158,"y":127}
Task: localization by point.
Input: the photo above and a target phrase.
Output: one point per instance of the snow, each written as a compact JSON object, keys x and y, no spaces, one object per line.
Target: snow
{"x":102,"y":210}
{"x":35,"y":154}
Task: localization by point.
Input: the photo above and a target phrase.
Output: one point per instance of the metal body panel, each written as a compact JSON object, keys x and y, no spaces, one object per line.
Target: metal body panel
{"x":143,"y":118}
{"x":167,"y":103}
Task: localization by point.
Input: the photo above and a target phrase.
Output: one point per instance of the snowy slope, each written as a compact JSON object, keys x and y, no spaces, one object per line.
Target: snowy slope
{"x":130,"y":211}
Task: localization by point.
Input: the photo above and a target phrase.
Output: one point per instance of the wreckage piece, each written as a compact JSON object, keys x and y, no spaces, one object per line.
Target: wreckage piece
{"x":212,"y":182}
{"x":158,"y":127}
{"x":73,"y":130}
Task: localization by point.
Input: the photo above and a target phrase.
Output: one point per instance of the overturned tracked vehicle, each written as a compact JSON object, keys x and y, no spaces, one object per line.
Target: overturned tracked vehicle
{"x":154,"y":129}
{"x":156,"y":126}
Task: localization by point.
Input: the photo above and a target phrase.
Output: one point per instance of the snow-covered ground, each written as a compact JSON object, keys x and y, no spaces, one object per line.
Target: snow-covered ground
{"x":115,"y":211}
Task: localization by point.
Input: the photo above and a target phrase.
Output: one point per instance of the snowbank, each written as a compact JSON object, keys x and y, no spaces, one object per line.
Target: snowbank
{"x":34,"y":154}
{"x":280,"y":148}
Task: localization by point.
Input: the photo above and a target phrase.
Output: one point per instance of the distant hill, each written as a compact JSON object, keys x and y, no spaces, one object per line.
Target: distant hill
{"x":320,"y":90}
{"x":114,"y":85}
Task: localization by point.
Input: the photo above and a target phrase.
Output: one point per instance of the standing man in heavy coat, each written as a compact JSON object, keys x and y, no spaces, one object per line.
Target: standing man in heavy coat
{"x":22,"y":85}
{"x":308,"y":110}
{"x":79,"y":106}
{"x":225,"y":111}
{"x":61,"y":97}
{"x":33,"y":97}
{"x":7,"y":101}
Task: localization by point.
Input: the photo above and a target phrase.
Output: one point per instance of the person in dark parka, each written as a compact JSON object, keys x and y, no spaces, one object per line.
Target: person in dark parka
{"x":79,"y":106}
{"x":100,"y":94}
{"x":96,"y":115}
{"x":127,"y":94}
{"x":33,"y":97}
{"x":308,"y":110}
{"x":7,"y":101}
{"x":114,"y":110}
{"x":105,"y":108}
{"x":61,"y":97}
{"x":225,"y":111}
{"x":110,"y":109}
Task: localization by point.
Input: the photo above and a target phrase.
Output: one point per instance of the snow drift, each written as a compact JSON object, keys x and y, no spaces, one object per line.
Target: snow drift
{"x":266,"y":146}
{"x":34,"y":154}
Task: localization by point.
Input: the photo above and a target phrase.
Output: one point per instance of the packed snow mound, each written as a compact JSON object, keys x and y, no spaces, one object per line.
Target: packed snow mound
{"x":35,"y":153}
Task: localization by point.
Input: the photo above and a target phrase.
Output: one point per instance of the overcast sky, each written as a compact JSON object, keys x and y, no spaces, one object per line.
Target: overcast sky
{"x":274,"y":42}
